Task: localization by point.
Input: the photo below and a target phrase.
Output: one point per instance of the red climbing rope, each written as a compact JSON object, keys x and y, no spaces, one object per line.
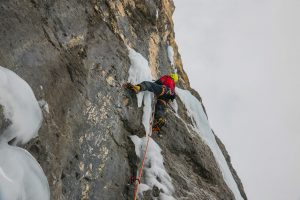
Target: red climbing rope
{"x":138,"y":180}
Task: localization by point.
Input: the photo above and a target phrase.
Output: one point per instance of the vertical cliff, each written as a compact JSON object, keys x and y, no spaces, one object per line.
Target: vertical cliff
{"x":75,"y":56}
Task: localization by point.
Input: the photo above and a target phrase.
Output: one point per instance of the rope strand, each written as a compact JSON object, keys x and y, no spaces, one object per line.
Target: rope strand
{"x":138,"y":180}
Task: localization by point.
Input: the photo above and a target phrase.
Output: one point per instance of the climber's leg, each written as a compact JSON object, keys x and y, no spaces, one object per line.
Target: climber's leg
{"x":152,"y":87}
{"x":159,"y":116}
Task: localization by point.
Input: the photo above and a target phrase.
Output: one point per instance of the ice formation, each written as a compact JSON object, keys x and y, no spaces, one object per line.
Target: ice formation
{"x":140,"y":71}
{"x":20,"y":106}
{"x":154,"y":169}
{"x":202,"y":127}
{"x":21,"y":177}
{"x":171,"y":55}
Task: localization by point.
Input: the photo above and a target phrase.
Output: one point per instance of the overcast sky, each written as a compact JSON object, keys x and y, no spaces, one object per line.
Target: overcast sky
{"x":243,"y":57}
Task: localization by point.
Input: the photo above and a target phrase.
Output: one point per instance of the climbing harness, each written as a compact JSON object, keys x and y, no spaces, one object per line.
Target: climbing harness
{"x":163,"y":89}
{"x":138,"y":180}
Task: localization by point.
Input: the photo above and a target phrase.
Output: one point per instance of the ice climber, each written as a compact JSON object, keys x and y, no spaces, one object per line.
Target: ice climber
{"x":164,"y":90}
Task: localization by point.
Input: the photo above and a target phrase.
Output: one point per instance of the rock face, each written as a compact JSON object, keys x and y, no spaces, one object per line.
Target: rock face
{"x":74,"y":55}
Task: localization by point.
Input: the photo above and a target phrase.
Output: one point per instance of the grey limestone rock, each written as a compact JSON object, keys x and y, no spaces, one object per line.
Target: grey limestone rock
{"x":74,"y":55}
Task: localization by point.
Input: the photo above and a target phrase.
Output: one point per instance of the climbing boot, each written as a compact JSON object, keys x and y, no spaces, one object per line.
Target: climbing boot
{"x":135,"y":88}
{"x":158,"y":124}
{"x":155,"y":129}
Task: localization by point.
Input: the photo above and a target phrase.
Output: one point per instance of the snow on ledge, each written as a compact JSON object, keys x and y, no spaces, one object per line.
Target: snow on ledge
{"x":202,"y":127}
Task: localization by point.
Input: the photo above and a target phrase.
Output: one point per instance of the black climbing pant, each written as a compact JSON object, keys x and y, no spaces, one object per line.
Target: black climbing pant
{"x":159,"y":115}
{"x":152,"y":87}
{"x":162,"y":93}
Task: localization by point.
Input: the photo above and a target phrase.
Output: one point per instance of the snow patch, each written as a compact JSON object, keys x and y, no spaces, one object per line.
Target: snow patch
{"x":21,"y":177}
{"x":154,"y":170}
{"x":202,"y":127}
{"x":139,"y":71}
{"x":20,"y":107}
{"x":3,"y":174}
{"x":24,"y":178}
{"x":171,"y":57}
